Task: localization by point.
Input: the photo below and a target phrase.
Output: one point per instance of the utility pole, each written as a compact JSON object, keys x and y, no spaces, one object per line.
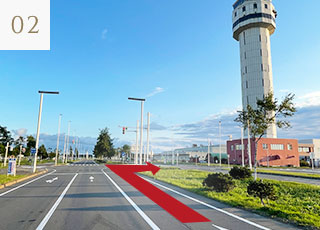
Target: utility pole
{"x":67,"y":153}
{"x":177,"y":159}
{"x":64,"y":149}
{"x":242,"y":147}
{"x":141,"y":127}
{"x":20,"y":155}
{"x":220,"y":141}
{"x":172,"y":159}
{"x":148,"y":137}
{"x":6,"y":155}
{"x":38,"y":128}
{"x":208,"y":158}
{"x":249,"y":146}
{"x":136,"y":150}
{"x":57,"y":149}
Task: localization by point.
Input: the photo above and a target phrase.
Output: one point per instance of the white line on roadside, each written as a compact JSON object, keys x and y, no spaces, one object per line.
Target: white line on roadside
{"x":136,"y":207}
{"x":13,"y":189}
{"x":218,"y":227}
{"x":54,"y":207}
{"x":210,"y":206}
{"x":80,"y":173}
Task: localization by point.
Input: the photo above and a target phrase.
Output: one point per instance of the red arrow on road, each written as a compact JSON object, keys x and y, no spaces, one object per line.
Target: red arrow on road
{"x":177,"y":209}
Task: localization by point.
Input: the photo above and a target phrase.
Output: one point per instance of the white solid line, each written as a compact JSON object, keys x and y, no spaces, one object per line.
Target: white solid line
{"x":210,"y":206}
{"x":136,"y":207}
{"x":218,"y":227}
{"x":54,"y":207}
{"x":11,"y":190}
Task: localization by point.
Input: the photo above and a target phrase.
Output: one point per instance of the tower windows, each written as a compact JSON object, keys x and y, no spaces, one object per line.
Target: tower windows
{"x":247,"y":84}
{"x":247,"y":100}
{"x":266,"y":6}
{"x":235,"y":14}
{"x":243,"y":9}
{"x":255,"y":6}
{"x":245,"y":55}
{"x":261,"y":52}
{"x":262,"y":82}
{"x":259,"y":37}
{"x":244,"y":37}
{"x":246,"y":69}
{"x":261,"y":67}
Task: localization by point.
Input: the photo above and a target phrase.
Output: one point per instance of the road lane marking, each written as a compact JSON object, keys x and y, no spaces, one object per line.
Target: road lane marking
{"x":13,"y":189}
{"x":210,"y":206}
{"x":81,"y":173}
{"x":91,"y":178}
{"x":54,"y":207}
{"x":218,"y":227}
{"x":134,"y":205}
{"x":52,"y":180}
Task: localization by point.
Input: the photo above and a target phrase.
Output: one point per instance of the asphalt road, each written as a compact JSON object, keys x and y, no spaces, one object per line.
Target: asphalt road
{"x":260,"y":175}
{"x":86,"y":196}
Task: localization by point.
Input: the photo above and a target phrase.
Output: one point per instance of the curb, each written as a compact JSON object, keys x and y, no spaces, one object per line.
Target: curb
{"x":296,"y":176}
{"x":22,"y":179}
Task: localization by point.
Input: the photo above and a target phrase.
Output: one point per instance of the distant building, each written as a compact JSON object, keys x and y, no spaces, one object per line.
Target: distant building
{"x":270,"y":152}
{"x":310,"y":149}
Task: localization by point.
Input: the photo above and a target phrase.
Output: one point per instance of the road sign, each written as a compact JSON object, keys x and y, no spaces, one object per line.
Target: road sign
{"x":33,"y":150}
{"x":12,"y":167}
{"x":123,"y":154}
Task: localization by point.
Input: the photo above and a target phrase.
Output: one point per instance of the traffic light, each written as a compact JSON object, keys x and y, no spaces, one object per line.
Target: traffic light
{"x":124,"y":130}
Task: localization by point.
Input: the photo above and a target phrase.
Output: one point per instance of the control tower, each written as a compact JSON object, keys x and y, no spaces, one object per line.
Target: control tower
{"x":253,"y":23}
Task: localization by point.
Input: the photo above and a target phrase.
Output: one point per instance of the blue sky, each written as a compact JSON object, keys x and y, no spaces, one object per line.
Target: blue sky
{"x":179,"y":53}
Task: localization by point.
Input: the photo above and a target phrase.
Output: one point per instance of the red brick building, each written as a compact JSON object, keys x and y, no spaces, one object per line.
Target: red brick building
{"x":271,"y":152}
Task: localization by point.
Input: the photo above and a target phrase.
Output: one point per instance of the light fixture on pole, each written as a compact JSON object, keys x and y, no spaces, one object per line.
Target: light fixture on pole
{"x":141,"y":125}
{"x":38,"y":128}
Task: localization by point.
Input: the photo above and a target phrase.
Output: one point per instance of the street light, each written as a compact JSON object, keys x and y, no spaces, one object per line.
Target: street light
{"x":57,"y":149}
{"x":141,"y":125}
{"x":38,"y":128}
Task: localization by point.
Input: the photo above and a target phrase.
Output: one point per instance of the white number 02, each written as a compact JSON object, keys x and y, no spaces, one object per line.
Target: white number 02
{"x":19,"y":18}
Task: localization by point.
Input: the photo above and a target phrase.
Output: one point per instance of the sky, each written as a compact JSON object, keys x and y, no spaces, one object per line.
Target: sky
{"x":179,"y":55}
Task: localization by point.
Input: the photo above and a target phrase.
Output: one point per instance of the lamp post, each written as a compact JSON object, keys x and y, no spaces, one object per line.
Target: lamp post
{"x":141,"y":125}
{"x":38,"y":128}
{"x":220,"y":141}
{"x":57,"y":149}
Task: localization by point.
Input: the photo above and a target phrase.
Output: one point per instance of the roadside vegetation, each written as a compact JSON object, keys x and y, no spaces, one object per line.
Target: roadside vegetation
{"x":289,"y":201}
{"x":294,"y":174}
{"x":5,"y":179}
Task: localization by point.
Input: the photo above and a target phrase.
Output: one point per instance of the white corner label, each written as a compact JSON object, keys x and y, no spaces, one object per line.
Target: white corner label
{"x":25,"y":24}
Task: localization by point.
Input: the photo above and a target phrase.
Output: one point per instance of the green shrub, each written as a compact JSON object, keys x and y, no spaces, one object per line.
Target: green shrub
{"x":263,"y":190}
{"x":240,"y":172}
{"x":304,"y":163}
{"x":219,"y":182}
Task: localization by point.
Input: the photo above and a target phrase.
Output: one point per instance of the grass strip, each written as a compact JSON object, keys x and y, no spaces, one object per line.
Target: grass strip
{"x":297,"y":203}
{"x":294,"y":174}
{"x":5,"y":179}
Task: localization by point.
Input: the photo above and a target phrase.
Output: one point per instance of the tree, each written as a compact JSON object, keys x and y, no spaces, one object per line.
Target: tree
{"x":268,"y":112}
{"x":31,"y":143}
{"x":219,"y":182}
{"x":42,"y":152}
{"x":5,"y":136}
{"x":263,"y":190}
{"x":104,"y":146}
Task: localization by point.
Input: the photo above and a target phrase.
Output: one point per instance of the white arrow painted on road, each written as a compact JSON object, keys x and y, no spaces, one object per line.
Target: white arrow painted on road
{"x":220,"y":228}
{"x":91,"y":178}
{"x":50,"y":181}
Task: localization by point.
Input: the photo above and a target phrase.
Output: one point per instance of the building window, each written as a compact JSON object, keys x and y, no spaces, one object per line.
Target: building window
{"x":262,"y":82}
{"x":265,"y":146}
{"x":247,"y":84}
{"x":259,"y":37}
{"x":261,"y":67}
{"x":304,"y":149}
{"x":246,"y":69}
{"x":235,"y":14}
{"x":247,"y":100}
{"x":231,"y":147}
{"x":289,"y":147}
{"x":244,"y":37}
{"x":255,"y":6}
{"x":243,"y":9}
{"x":245,"y":55}
{"x":277,"y":147}
{"x":238,"y":147}
{"x":261,"y":52}
{"x":266,"y":6}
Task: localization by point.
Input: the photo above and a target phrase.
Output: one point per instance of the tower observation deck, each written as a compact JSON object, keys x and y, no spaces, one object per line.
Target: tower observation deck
{"x":253,"y":23}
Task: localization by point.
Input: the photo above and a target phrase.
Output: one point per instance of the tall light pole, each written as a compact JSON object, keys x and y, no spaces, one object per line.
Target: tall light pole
{"x":220,"y":141}
{"x":136,"y":150}
{"x":6,"y":155}
{"x":208,"y":152}
{"x":148,"y":137}
{"x":57,"y":149}
{"x":141,"y":125}
{"x":38,"y":128}
{"x":67,"y":147}
{"x":249,"y":145}
{"x":64,"y":148}
{"x":242,"y":147}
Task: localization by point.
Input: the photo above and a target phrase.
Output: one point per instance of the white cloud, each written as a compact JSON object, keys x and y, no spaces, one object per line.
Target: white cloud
{"x":20,"y":132}
{"x":104,"y":34}
{"x":157,"y":90}
{"x":309,"y":99}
